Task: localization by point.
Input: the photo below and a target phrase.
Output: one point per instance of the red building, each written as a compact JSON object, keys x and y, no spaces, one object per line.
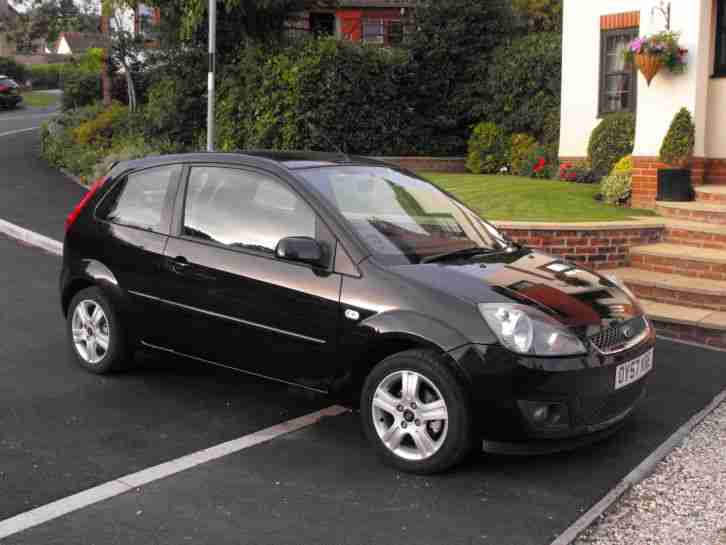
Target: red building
{"x":371,"y":21}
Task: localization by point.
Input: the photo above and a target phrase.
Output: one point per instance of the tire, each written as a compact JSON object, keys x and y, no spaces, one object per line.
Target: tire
{"x":106,"y":330}
{"x":425,"y":445}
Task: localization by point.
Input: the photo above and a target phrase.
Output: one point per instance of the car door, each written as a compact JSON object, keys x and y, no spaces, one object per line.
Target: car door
{"x":231,"y":300}
{"x":132,"y":228}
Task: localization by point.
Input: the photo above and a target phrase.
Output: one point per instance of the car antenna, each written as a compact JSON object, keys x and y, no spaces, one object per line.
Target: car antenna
{"x":328,"y":141}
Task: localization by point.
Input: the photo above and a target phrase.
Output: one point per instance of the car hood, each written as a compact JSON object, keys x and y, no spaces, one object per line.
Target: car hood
{"x":577,"y":297}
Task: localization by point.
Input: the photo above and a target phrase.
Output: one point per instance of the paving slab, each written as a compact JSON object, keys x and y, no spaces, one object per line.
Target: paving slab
{"x":63,"y":430}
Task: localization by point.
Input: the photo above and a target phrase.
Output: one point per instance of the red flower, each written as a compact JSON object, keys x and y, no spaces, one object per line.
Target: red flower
{"x":540,"y":165}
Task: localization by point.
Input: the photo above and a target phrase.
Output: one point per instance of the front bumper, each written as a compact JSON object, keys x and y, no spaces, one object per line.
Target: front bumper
{"x":582,"y":389}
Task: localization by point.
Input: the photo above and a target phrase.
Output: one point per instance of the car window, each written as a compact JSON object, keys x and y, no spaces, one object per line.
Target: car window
{"x":243,"y":209}
{"x":402,"y":219}
{"x":139,"y":201}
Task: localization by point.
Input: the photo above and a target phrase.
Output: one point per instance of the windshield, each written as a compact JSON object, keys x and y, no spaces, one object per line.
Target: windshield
{"x":402,"y":219}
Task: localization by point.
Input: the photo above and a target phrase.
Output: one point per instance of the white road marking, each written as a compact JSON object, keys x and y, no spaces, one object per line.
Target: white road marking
{"x":18,"y":131}
{"x":64,"y":506}
{"x":31,"y":238}
{"x":32,"y":116}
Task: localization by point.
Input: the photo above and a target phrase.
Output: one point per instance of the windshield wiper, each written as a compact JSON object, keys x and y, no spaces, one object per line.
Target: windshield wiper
{"x":464,"y":252}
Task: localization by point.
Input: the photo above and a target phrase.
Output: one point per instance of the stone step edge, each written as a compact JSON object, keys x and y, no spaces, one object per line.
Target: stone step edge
{"x":706,"y":319}
{"x":693,"y":206}
{"x":700,"y":227}
{"x":684,"y":254}
{"x":635,"y":276}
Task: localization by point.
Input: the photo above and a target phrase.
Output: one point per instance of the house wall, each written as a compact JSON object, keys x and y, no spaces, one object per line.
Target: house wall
{"x":63,"y":47}
{"x":657,"y":103}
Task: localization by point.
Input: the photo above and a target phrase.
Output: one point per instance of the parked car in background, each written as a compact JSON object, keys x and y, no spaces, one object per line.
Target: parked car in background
{"x":9,"y":93}
{"x":355,"y":278}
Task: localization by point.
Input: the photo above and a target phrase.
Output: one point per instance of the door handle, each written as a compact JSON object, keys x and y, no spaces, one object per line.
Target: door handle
{"x":180,"y":264}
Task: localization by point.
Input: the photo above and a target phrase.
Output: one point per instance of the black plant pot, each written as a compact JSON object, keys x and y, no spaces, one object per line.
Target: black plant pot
{"x":674,"y":184}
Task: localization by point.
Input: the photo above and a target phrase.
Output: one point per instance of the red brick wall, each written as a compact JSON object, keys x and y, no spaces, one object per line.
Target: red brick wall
{"x":614,"y":21}
{"x":716,"y":171}
{"x":645,"y":178}
{"x":699,"y":335}
{"x":594,"y":248}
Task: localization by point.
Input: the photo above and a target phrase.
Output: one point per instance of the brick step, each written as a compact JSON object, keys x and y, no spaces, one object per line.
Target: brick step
{"x":694,"y":233}
{"x":679,"y":259}
{"x":715,"y":194}
{"x":675,"y":289}
{"x":700,"y":326}
{"x":693,"y":211}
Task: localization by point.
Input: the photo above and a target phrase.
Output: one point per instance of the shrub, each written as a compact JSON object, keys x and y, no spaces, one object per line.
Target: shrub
{"x":488,"y":149}
{"x":12,"y":69}
{"x":579,"y":172}
{"x":100,"y":130}
{"x":46,"y":76}
{"x":176,"y":103}
{"x":624,"y":166}
{"x":519,"y":86}
{"x":615,"y":189}
{"x":681,"y":138}
{"x":538,"y":164}
{"x":521,"y":145}
{"x":125,"y":149}
{"x":613,"y":138}
{"x":80,"y":88}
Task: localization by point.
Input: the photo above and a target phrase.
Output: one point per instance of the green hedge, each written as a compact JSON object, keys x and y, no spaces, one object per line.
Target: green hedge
{"x":80,"y":88}
{"x":46,"y":76}
{"x":324,"y":95}
{"x":519,"y":87}
{"x":12,"y":69}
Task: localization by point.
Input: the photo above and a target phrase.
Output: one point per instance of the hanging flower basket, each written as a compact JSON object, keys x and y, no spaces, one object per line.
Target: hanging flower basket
{"x":651,"y":53}
{"x":649,"y":65}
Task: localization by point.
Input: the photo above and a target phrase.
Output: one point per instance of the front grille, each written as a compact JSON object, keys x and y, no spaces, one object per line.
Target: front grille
{"x":596,"y":410}
{"x":613,"y":339}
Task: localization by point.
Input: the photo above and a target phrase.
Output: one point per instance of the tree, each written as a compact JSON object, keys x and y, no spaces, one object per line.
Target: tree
{"x":450,"y":39}
{"x":46,"y":19}
{"x":237,"y":20}
{"x":540,"y":15}
{"x":126,"y":47}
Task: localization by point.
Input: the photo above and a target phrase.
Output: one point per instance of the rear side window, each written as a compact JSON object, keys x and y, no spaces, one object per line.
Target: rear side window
{"x":139,"y":201}
{"x":244,"y":209}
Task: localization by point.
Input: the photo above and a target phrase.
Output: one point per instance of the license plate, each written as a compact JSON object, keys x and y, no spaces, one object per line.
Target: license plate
{"x":631,"y":371}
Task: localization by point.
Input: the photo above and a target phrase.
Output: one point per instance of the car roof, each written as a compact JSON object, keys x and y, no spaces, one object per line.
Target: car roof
{"x":289,"y":160}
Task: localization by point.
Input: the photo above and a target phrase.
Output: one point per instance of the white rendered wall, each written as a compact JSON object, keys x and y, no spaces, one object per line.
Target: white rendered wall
{"x":667,"y":94}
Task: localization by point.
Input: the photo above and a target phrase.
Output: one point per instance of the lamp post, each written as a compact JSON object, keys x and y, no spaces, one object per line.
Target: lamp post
{"x":210,"y":75}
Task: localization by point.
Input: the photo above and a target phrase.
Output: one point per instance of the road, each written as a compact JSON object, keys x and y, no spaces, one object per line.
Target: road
{"x":63,"y":430}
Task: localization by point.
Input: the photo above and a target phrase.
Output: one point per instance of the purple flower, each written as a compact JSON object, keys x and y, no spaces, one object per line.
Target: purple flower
{"x":636,"y":44}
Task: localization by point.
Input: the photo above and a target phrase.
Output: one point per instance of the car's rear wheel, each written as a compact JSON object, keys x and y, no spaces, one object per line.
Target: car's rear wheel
{"x":96,"y":334}
{"x":415,"y":412}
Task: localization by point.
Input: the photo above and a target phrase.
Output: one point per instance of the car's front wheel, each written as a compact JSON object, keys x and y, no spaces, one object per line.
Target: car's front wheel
{"x":95,"y":332}
{"x":415,"y":412}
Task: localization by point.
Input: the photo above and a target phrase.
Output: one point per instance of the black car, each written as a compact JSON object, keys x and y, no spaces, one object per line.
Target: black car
{"x":9,"y":93}
{"x":357,"y":279}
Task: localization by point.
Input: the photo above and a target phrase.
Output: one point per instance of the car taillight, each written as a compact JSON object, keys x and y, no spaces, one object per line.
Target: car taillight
{"x":3,"y":88}
{"x":73,"y":216}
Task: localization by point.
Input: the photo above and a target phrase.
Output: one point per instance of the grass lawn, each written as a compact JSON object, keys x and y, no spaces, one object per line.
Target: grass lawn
{"x":513,"y":198}
{"x":36,"y":99}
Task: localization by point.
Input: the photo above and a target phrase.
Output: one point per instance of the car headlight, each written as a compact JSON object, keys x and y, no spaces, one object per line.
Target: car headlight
{"x":526,"y":330}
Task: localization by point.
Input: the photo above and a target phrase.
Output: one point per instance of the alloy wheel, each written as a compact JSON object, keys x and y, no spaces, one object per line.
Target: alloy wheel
{"x":410,"y":415}
{"x":91,"y":332}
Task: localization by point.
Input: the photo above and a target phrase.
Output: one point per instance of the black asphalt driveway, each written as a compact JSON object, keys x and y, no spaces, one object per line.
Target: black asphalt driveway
{"x":63,"y":430}
{"x":32,"y":194}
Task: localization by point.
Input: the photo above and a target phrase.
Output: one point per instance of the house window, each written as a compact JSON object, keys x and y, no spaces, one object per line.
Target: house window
{"x":720,"y":68}
{"x":395,"y":33}
{"x":618,"y":90}
{"x":374,"y":31}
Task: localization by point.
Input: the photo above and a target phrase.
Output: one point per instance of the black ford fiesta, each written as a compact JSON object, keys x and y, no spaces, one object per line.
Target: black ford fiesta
{"x":360,"y":280}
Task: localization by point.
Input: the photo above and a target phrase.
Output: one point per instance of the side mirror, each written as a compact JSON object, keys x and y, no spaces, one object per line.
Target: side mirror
{"x":302,"y":249}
